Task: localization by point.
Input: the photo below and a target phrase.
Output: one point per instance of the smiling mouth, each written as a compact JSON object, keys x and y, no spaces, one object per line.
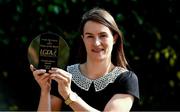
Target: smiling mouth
{"x":97,"y":50}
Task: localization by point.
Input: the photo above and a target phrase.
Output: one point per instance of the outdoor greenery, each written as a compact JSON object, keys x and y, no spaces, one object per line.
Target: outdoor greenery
{"x":151,"y":39}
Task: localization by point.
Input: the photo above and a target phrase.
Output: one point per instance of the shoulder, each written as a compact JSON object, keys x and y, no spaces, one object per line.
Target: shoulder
{"x":127,"y":75}
{"x":128,"y":83}
{"x":128,"y":78}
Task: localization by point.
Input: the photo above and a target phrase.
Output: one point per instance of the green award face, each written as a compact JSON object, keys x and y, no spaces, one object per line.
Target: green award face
{"x":48,"y":50}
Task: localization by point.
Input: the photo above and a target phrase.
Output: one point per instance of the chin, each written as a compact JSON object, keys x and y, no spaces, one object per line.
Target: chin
{"x":99,"y":58}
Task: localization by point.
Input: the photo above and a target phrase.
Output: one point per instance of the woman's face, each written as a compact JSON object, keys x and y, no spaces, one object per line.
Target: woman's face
{"x":98,"y":41}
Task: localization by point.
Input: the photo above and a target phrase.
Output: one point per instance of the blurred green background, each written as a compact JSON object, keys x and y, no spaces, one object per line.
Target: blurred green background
{"x":152,"y":39}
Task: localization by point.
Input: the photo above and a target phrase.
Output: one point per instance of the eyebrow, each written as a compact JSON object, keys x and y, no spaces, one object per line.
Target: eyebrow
{"x":87,"y":33}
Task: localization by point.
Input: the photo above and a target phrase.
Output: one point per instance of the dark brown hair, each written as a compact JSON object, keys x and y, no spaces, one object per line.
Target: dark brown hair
{"x":102,"y":16}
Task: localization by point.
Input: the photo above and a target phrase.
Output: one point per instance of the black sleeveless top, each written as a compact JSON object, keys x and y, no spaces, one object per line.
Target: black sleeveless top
{"x":98,"y":92}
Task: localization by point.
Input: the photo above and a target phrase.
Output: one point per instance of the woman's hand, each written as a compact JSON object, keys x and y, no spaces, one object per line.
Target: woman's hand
{"x":63,"y":79}
{"x":42,"y":78}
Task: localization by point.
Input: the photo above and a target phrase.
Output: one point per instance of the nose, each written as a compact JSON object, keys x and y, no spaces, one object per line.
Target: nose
{"x":97,"y":42}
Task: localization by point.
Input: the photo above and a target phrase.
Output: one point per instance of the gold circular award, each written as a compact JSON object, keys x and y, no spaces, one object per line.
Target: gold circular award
{"x":48,"y":50}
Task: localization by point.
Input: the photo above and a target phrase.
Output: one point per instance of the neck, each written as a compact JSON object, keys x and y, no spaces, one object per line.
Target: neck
{"x":95,"y":70}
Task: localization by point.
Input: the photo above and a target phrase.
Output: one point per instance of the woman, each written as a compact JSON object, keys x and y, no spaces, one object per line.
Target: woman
{"x":102,"y":82}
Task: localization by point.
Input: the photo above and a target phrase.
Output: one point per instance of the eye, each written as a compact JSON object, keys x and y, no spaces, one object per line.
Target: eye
{"x":103,"y":35}
{"x":89,"y":36}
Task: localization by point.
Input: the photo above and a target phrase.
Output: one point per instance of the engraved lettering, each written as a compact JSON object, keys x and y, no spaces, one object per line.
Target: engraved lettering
{"x":48,"y":53}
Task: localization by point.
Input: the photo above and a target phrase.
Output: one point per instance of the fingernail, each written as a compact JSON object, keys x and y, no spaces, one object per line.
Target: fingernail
{"x":42,"y":70}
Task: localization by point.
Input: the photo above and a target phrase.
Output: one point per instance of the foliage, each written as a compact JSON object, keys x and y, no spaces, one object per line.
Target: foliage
{"x":151,"y":39}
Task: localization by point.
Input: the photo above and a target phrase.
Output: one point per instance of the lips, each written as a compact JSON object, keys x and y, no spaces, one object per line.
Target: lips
{"x":97,"y":50}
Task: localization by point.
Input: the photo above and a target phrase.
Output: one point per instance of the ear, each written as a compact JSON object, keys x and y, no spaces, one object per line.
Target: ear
{"x":115,"y":37}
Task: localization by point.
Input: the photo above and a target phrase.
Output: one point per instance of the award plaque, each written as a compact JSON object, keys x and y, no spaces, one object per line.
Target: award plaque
{"x":48,"y":50}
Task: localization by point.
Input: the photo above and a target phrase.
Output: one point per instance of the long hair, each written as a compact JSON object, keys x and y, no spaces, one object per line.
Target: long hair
{"x":103,"y":17}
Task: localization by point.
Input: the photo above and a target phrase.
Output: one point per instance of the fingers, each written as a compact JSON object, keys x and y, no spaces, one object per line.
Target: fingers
{"x":61,"y":72}
{"x":45,"y":77}
{"x":56,"y":74}
{"x":32,"y":68}
{"x":59,"y":78}
{"x":35,"y":71}
{"x":60,"y":75}
{"x":39,"y":74}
